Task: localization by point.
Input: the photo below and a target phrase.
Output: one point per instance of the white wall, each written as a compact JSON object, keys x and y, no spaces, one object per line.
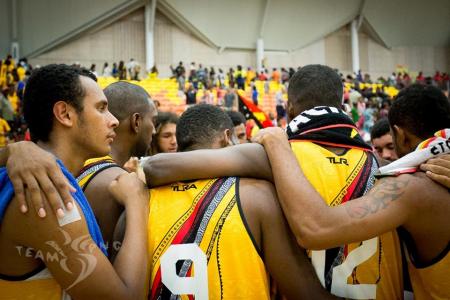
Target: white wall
{"x":5,"y":27}
{"x":124,"y":39}
{"x":121,"y":40}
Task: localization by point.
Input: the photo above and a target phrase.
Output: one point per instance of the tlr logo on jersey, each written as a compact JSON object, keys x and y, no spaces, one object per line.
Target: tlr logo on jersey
{"x":336,"y":161}
{"x":183,"y":187}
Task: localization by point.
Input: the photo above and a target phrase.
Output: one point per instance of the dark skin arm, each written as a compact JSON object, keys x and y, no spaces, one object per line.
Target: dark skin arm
{"x":124,"y":280}
{"x":247,"y":160}
{"x":33,"y":169}
{"x":106,"y":208}
{"x":286,"y":262}
{"x":393,"y":202}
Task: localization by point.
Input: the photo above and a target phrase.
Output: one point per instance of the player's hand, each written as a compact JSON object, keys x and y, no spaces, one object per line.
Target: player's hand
{"x":132,"y":164}
{"x":270,"y":134}
{"x":35,"y":170}
{"x":438,"y":169}
{"x":129,"y":190}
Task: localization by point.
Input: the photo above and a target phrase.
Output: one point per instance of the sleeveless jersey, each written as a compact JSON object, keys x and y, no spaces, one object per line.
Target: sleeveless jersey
{"x":38,"y":286}
{"x":429,"y":280}
{"x":92,"y":167}
{"x":366,"y":270}
{"x":198,"y":229}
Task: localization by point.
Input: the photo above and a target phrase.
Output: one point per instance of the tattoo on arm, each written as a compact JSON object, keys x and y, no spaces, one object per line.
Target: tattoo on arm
{"x":379,"y":197}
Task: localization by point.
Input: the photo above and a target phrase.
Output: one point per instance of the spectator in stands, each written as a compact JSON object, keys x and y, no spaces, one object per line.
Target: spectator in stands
{"x":239,"y":121}
{"x":115,"y":71}
{"x":153,"y":72}
{"x":250,"y":76}
{"x":93,"y":70}
{"x":165,"y":139}
{"x":191,"y":95}
{"x":255,"y":95}
{"x":262,"y":76}
{"x":4,"y":131}
{"x":385,"y":105}
{"x":381,"y":139}
{"x":280,"y":104}
{"x":107,"y":70}
{"x":221,"y":79}
{"x":212,"y":78}
{"x":230,"y":99}
{"x":181,"y":80}
{"x":420,"y":78}
{"x":122,"y":71}
{"x":240,"y":78}
{"x":193,"y":79}
{"x":276,"y":76}
{"x":284,"y":76}
{"x":201,"y":75}
{"x":132,"y":69}
{"x":231,"y":78}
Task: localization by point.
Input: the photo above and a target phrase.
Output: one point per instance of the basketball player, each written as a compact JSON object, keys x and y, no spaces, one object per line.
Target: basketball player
{"x":319,"y":143}
{"x":48,"y":258}
{"x":417,"y":206}
{"x":222,"y":233}
{"x":134,"y":109}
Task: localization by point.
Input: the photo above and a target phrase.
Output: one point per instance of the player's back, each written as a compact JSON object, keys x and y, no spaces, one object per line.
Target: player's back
{"x":198,"y":229}
{"x":365,"y":270}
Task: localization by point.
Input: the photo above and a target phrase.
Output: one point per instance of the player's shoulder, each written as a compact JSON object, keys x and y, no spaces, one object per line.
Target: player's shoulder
{"x":418,"y":188}
{"x":257,"y":187}
{"x":103,"y":178}
{"x":259,"y":196}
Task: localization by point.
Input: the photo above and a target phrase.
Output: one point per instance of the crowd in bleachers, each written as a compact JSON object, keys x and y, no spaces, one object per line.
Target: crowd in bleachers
{"x":365,"y":99}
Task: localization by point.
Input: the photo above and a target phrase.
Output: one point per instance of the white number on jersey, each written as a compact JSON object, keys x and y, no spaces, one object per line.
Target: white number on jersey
{"x":339,"y":285}
{"x":196,"y":285}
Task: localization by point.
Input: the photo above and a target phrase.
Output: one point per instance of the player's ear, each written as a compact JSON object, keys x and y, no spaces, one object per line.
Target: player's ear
{"x":135,"y":122}
{"x":64,"y":113}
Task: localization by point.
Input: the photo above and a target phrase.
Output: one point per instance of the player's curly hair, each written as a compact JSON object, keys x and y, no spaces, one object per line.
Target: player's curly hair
{"x":45,"y":87}
{"x":421,"y":109}
{"x":200,"y":125}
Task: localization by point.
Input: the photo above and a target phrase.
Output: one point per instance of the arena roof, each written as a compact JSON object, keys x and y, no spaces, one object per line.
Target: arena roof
{"x":285,"y":25}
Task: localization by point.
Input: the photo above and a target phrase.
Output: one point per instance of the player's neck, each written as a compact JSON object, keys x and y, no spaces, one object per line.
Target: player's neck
{"x":70,"y":157}
{"x":120,"y":153}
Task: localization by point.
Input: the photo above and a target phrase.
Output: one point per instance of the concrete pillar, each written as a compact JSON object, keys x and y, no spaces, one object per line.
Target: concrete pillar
{"x":259,"y":54}
{"x":150,"y":9}
{"x":355,"y":45}
{"x":14,"y":36}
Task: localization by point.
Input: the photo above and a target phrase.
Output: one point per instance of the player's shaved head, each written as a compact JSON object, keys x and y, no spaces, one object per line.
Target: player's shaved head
{"x":125,"y":99}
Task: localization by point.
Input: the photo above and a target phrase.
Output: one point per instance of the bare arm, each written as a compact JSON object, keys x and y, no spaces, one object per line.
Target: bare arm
{"x":106,"y":208}
{"x":318,"y":226}
{"x":287,"y":263}
{"x":248,"y":160}
{"x":438,"y":169}
{"x":33,"y":169}
{"x":97,"y":279}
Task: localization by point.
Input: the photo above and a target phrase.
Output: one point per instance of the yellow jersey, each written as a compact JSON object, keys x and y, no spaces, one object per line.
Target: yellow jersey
{"x":197,"y":230}
{"x":92,"y":167}
{"x":367,"y":270}
{"x":38,"y":286}
{"x":4,"y":129}
{"x":428,"y":280}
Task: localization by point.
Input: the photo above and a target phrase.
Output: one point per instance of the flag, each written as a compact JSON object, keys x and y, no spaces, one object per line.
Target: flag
{"x":251,"y":111}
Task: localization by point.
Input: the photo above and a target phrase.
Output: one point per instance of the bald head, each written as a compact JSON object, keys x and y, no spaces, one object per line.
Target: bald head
{"x":125,"y":99}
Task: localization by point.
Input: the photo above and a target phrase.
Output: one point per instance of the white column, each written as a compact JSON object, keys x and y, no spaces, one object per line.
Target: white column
{"x":355,"y":45}
{"x":259,"y":54}
{"x":150,"y":9}
{"x":14,"y":44}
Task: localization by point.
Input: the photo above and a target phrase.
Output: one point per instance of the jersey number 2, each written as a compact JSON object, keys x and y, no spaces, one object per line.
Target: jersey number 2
{"x":196,"y":285}
{"x":339,"y":285}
